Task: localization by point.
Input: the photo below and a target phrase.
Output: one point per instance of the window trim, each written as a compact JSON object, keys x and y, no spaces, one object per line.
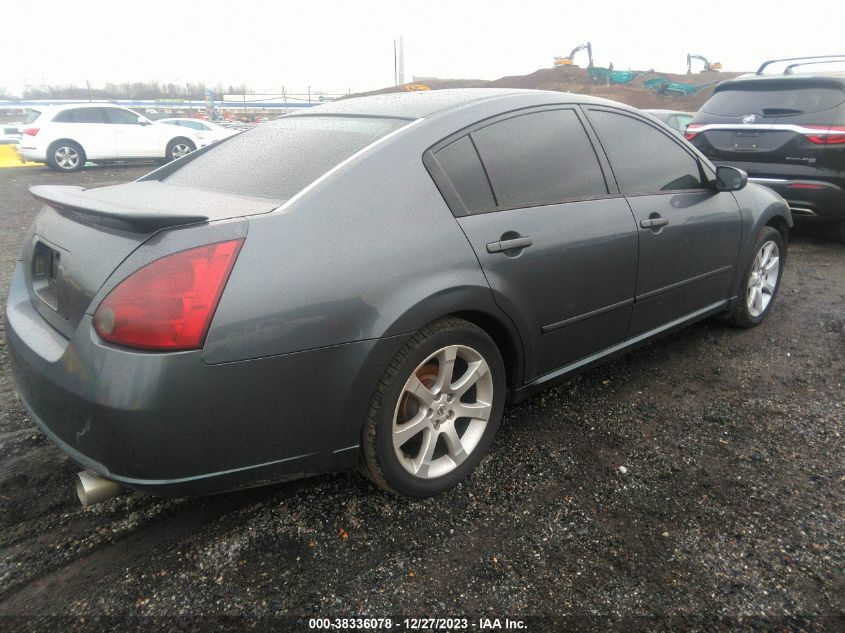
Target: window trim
{"x":450,"y":194}
{"x":632,"y":115}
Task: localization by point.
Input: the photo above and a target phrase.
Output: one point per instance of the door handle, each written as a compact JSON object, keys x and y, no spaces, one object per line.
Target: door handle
{"x":508,"y":245}
{"x":654,"y":223}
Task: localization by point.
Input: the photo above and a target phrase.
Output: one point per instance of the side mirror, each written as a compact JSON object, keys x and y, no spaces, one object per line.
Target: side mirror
{"x":730,"y":178}
{"x":143,"y":121}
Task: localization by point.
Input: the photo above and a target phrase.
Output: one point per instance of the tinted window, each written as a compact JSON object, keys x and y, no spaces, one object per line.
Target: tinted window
{"x":644,"y":159}
{"x":279,"y":158}
{"x":31,"y":115}
{"x":460,"y":162}
{"x":81,"y":115}
{"x":539,"y":158}
{"x":739,"y":102}
{"x":122,"y":117}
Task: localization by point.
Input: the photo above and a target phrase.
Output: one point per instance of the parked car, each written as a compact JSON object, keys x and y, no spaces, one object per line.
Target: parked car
{"x":673,"y":118}
{"x":65,"y":137}
{"x":211,"y":132}
{"x":366,"y":283}
{"x":787,"y":131}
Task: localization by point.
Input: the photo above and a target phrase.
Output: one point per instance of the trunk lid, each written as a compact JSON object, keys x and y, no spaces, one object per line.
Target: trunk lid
{"x":81,"y":236}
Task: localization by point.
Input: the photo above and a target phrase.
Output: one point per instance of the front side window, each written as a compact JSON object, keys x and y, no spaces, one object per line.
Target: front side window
{"x":280,"y":158}
{"x":539,"y":158}
{"x":644,"y":159}
{"x":121,"y":117}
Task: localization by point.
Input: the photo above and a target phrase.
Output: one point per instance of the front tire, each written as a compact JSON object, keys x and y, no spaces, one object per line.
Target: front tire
{"x":178,"y":148}
{"x":435,"y":411}
{"x":762,"y":276}
{"x":66,"y":156}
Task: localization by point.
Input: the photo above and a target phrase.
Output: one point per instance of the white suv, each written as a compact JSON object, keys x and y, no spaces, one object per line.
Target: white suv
{"x":65,"y":137}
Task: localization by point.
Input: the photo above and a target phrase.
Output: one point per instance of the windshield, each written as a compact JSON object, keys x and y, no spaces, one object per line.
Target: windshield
{"x":280,"y":158}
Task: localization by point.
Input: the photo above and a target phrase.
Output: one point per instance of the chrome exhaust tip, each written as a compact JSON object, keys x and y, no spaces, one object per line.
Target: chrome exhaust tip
{"x":93,"y":489}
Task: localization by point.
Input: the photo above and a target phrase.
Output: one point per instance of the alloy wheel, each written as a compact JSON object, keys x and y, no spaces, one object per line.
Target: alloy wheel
{"x":66,"y":157}
{"x":179,"y":150}
{"x":764,"y":279}
{"x":442,"y":411}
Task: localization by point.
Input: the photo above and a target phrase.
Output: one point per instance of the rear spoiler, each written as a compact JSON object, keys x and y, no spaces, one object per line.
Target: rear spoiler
{"x":96,"y":206}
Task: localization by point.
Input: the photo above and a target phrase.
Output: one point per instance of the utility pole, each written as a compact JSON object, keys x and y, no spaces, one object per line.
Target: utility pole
{"x":309,"y":94}
{"x":401,"y":76}
{"x":395,"y":66}
{"x":88,"y":83}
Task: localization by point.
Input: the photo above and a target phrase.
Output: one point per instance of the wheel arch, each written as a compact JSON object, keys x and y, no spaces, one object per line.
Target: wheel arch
{"x":476,"y":305}
{"x":65,"y":140}
{"x":174,"y":139}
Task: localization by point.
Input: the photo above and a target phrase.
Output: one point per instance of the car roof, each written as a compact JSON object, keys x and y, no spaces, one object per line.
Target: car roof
{"x":58,"y":107}
{"x":794,"y":80}
{"x":427,"y":103}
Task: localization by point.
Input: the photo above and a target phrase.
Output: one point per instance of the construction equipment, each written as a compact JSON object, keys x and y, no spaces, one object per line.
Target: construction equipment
{"x":568,"y":60}
{"x":708,"y":67}
{"x":608,"y":76}
{"x":666,"y":86}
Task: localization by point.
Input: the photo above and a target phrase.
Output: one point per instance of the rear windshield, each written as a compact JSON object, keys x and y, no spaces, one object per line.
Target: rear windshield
{"x":778,"y":102}
{"x":280,"y":158}
{"x":31,"y":115}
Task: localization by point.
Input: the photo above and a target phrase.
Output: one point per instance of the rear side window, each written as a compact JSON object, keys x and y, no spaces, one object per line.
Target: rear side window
{"x":278,"y":159}
{"x":539,"y":158}
{"x":644,"y":159}
{"x":31,"y":116}
{"x":460,"y":162}
{"x":81,"y":115}
{"x":773,"y":102}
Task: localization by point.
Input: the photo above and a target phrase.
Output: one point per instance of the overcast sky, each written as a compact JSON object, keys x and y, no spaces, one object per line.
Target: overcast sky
{"x":337,"y":46}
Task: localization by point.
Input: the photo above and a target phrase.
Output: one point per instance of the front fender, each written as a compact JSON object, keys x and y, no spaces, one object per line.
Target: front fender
{"x":758,"y":206}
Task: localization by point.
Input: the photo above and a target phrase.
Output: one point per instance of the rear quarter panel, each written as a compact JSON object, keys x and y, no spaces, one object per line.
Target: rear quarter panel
{"x":372,"y":251}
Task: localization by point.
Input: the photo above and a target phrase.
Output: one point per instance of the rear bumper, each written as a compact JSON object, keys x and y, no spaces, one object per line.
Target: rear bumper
{"x":808,"y":190}
{"x":808,"y":197}
{"x":27,"y":152}
{"x":173,"y":425}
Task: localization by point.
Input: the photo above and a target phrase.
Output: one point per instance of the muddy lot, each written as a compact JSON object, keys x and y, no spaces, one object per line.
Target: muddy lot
{"x":731,"y":510}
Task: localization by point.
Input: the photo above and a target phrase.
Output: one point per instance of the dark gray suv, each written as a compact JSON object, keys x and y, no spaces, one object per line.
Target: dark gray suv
{"x":366,"y":283}
{"x":787,"y":131}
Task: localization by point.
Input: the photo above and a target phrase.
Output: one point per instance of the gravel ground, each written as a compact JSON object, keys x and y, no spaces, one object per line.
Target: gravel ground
{"x":698,"y":480}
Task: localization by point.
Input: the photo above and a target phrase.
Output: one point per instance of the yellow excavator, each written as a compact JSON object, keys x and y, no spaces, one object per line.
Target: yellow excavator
{"x":568,"y":60}
{"x":708,"y":67}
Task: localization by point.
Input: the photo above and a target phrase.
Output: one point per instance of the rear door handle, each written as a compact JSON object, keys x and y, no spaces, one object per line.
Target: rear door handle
{"x":508,"y":245}
{"x":653,"y":223}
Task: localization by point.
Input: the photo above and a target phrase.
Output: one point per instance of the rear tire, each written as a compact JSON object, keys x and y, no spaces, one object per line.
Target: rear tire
{"x":66,"y":156}
{"x":762,"y":276}
{"x":841,"y":233}
{"x":178,"y":148}
{"x":415,"y":441}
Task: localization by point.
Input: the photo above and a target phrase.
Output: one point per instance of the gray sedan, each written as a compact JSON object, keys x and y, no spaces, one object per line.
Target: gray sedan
{"x":365,"y":284}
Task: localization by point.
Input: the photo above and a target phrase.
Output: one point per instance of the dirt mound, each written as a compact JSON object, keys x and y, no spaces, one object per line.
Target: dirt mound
{"x":577,"y":80}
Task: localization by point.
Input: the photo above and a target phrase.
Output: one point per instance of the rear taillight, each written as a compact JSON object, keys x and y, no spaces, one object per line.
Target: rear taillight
{"x":168,"y":304}
{"x":30,"y":131}
{"x":691,"y":132}
{"x":827,"y":135}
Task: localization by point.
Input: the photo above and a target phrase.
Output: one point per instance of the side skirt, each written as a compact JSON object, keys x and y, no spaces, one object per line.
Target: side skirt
{"x":588,"y":362}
